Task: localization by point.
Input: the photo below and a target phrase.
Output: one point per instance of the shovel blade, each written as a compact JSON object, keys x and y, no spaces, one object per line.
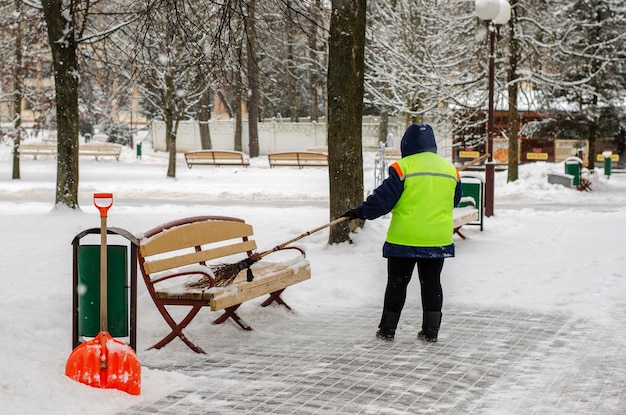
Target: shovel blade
{"x":105,"y":362}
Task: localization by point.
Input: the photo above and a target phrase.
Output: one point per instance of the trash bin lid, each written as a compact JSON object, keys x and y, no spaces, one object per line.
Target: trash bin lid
{"x":573,"y":160}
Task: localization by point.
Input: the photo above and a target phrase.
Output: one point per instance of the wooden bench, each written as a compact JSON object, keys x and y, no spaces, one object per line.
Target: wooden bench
{"x":463,"y":216}
{"x":38,"y":149}
{"x":298,"y":158}
{"x":392,"y":154}
{"x":177,"y":261}
{"x":98,"y":149}
{"x":216,"y":158}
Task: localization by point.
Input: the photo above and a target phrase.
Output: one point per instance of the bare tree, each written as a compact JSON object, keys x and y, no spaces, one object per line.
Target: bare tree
{"x":23,"y":45}
{"x":253,"y":78}
{"x":172,"y":45}
{"x":592,"y":76}
{"x":513,"y":90}
{"x":62,"y":20}
{"x":345,"y":109}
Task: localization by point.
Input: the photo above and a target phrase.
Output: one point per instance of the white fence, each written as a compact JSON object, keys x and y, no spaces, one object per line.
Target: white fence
{"x":273,"y":136}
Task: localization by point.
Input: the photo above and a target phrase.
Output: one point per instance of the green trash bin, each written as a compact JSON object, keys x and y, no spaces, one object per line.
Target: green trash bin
{"x":89,"y":290}
{"x":572,"y":166}
{"x":608,"y":163}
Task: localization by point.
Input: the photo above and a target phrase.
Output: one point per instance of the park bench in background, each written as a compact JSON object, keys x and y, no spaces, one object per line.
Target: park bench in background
{"x":99,"y":149}
{"x":392,"y":154}
{"x":38,"y":149}
{"x":298,"y":159}
{"x":174,"y":261}
{"x":216,"y":158}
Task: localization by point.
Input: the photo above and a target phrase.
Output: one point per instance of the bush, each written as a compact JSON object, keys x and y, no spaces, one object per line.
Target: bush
{"x":117,"y":132}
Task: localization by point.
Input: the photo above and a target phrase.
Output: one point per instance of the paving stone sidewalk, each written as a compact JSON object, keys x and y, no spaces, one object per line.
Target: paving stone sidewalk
{"x":487,"y":361}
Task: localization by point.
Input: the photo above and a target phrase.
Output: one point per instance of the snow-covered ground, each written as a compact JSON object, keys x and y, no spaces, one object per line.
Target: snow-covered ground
{"x":547,"y":249}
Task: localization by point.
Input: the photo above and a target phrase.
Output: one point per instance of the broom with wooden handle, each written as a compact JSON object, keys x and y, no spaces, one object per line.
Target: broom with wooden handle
{"x":472,"y":162}
{"x":225,"y":274}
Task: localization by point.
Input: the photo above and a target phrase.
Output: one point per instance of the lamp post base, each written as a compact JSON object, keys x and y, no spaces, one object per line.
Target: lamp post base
{"x":489,"y":188}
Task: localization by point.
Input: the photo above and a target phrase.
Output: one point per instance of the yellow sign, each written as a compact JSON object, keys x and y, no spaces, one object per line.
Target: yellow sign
{"x":536,"y":156}
{"x":469,"y":154}
{"x":614,"y":157}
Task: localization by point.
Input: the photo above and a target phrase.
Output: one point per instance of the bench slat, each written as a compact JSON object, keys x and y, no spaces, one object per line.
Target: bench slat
{"x":194,"y":234}
{"x":159,"y":265}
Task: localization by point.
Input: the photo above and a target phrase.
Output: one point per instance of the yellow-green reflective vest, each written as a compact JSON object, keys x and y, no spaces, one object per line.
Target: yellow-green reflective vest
{"x":423,"y":215}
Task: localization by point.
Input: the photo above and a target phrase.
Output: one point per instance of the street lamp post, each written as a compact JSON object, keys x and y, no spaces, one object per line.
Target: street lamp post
{"x":495,"y":13}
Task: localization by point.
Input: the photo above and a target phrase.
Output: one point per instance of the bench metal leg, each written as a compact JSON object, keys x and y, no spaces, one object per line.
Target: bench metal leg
{"x":585,"y":185}
{"x":275,"y":297}
{"x":230,"y":312}
{"x":458,"y":232}
{"x":177,"y":329}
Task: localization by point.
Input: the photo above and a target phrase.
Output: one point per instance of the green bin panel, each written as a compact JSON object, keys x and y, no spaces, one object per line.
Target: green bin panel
{"x":573,"y":168}
{"x":89,"y":290}
{"x":472,"y":190}
{"x":607,"y":166}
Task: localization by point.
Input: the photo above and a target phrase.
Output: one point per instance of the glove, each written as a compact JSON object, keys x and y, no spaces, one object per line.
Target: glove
{"x":353,"y":214}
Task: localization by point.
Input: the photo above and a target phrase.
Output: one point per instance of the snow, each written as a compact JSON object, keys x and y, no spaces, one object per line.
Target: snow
{"x":546,"y":249}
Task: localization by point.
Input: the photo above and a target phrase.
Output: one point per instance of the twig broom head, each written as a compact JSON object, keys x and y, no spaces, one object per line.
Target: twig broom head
{"x":226,"y":273}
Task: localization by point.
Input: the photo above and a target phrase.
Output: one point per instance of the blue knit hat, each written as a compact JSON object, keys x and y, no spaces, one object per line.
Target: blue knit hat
{"x":418,"y":138}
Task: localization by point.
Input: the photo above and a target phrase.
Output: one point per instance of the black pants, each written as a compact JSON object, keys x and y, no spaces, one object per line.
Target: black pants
{"x":399,"y":272}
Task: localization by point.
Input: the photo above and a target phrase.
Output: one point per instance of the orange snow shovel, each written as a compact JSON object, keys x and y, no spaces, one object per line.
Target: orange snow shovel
{"x":105,"y":362}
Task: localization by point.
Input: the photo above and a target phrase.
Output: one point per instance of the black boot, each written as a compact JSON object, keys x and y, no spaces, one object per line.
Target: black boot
{"x":431,"y":321}
{"x":387,"y":326}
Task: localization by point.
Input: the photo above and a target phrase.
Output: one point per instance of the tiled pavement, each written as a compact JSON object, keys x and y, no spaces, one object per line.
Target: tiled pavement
{"x":487,"y":361}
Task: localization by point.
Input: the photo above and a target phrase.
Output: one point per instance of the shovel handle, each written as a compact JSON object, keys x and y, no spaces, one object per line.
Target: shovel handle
{"x":103,"y":201}
{"x":100,"y":200}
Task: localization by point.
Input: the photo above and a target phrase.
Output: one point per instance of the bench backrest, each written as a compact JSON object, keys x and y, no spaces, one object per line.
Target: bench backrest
{"x":300,"y":158}
{"x":193,"y":240}
{"x":43,"y":147}
{"x":219,"y":154}
{"x":91,"y":146}
{"x":304,"y":155}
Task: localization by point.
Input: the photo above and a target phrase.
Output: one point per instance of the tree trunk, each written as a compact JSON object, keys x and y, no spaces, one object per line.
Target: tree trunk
{"x":238,"y":120}
{"x":253,"y":82}
{"x":290,"y":68}
{"x":18,"y":96}
{"x":170,"y":126}
{"x":314,"y":57}
{"x":593,"y":133}
{"x":238,"y":106}
{"x":383,"y":128}
{"x":204,"y":115}
{"x":61,"y":35}
{"x":591,"y":157}
{"x":513,"y":93}
{"x":238,"y":115}
{"x":345,"y":110}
